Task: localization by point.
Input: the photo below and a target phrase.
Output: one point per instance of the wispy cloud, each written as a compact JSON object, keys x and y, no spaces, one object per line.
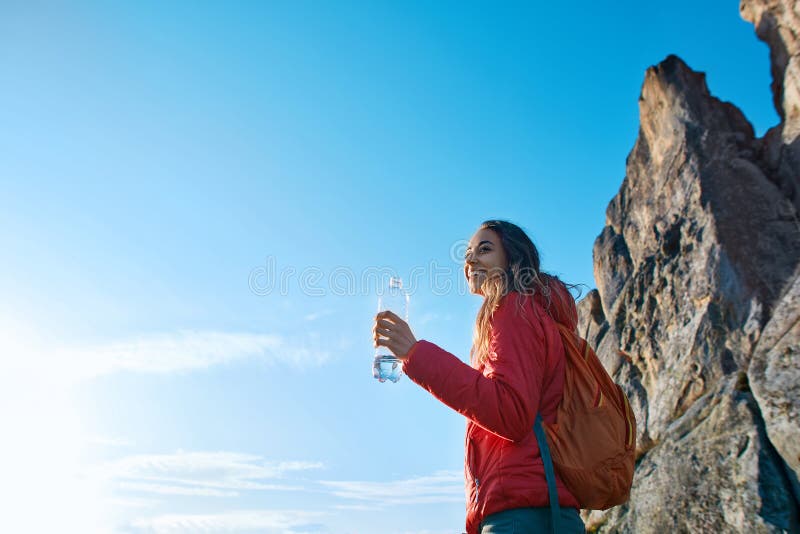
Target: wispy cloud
{"x":264,"y":521}
{"x":442,"y":486}
{"x":165,"y":489}
{"x":354,"y":507}
{"x":210,"y":474}
{"x":185,"y":350}
{"x":228,"y":474}
{"x":190,"y":350}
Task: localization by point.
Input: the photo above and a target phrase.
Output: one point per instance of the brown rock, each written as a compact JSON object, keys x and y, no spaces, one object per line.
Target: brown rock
{"x":713,"y":472}
{"x":777,"y":23}
{"x":698,"y":301}
{"x":774,"y":376}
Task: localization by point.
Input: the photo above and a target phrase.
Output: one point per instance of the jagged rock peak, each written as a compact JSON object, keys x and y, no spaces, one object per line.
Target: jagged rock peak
{"x":693,"y":173}
{"x":675,"y":96}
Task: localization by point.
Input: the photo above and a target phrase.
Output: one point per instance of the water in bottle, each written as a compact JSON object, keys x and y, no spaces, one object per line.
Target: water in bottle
{"x":386,"y":366}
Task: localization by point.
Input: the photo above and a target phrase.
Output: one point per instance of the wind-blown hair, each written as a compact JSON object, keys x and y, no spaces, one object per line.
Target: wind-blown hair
{"x":524,"y":276}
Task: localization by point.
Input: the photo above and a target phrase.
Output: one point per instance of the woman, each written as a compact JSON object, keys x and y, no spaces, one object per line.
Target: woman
{"x":517,"y":371}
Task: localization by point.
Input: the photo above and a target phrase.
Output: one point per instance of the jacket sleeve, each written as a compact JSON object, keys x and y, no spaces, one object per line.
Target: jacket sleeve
{"x":504,"y":398}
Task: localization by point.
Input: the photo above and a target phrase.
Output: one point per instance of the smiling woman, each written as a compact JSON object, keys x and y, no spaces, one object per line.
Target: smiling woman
{"x":484,"y":258}
{"x":517,"y":376}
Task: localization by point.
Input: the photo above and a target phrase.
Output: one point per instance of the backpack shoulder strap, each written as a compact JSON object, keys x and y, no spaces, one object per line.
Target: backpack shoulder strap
{"x":549,"y":474}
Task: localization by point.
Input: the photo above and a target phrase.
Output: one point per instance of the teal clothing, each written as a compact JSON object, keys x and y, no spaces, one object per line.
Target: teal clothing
{"x":531,"y":521}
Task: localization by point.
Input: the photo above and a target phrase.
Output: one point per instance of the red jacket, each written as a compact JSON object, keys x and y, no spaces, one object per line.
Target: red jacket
{"x":523,"y":375}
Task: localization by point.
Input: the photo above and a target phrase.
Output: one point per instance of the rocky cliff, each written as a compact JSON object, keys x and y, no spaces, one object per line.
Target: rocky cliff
{"x":697,"y":309}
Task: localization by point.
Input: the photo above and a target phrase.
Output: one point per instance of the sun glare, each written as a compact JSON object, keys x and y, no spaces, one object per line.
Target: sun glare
{"x":44,"y":486}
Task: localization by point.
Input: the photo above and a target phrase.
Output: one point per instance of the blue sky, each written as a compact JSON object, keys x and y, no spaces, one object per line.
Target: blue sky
{"x":161,"y":164}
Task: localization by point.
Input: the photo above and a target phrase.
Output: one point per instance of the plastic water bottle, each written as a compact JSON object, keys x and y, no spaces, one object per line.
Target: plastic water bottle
{"x":386,"y":366}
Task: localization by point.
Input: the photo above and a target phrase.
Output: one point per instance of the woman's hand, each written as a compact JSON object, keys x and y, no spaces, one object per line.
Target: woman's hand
{"x":392,"y":332}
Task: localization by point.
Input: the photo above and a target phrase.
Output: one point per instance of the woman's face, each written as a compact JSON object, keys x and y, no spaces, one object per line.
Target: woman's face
{"x":484,"y":256}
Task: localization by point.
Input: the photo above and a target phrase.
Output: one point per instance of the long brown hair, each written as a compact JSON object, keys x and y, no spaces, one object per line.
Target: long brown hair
{"x":524,"y":276}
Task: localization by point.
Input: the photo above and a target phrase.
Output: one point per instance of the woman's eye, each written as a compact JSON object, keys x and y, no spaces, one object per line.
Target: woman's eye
{"x":480,"y":250}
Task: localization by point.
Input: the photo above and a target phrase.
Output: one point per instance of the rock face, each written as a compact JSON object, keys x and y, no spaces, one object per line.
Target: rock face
{"x":778,"y":23}
{"x":697,"y":311}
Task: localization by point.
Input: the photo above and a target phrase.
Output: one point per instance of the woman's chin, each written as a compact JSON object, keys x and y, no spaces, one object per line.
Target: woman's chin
{"x":475,"y":289}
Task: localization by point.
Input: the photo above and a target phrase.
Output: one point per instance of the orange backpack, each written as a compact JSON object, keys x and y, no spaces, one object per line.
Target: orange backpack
{"x":593,"y":442}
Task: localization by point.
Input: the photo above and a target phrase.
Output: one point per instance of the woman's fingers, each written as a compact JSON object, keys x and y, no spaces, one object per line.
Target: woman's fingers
{"x":392,"y":332}
{"x":390,"y":315}
{"x":387,"y":325}
{"x":398,"y":344}
{"x":383,"y":330}
{"x":391,"y":324}
{"x":384,"y":324}
{"x":383,"y":327}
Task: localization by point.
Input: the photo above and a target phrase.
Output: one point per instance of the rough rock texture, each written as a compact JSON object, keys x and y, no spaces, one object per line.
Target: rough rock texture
{"x":697,"y":311}
{"x":775,"y":378}
{"x":777,"y":23}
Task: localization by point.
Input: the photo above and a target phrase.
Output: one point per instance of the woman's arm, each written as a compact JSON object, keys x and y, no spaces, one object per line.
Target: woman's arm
{"x":504,"y":398}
